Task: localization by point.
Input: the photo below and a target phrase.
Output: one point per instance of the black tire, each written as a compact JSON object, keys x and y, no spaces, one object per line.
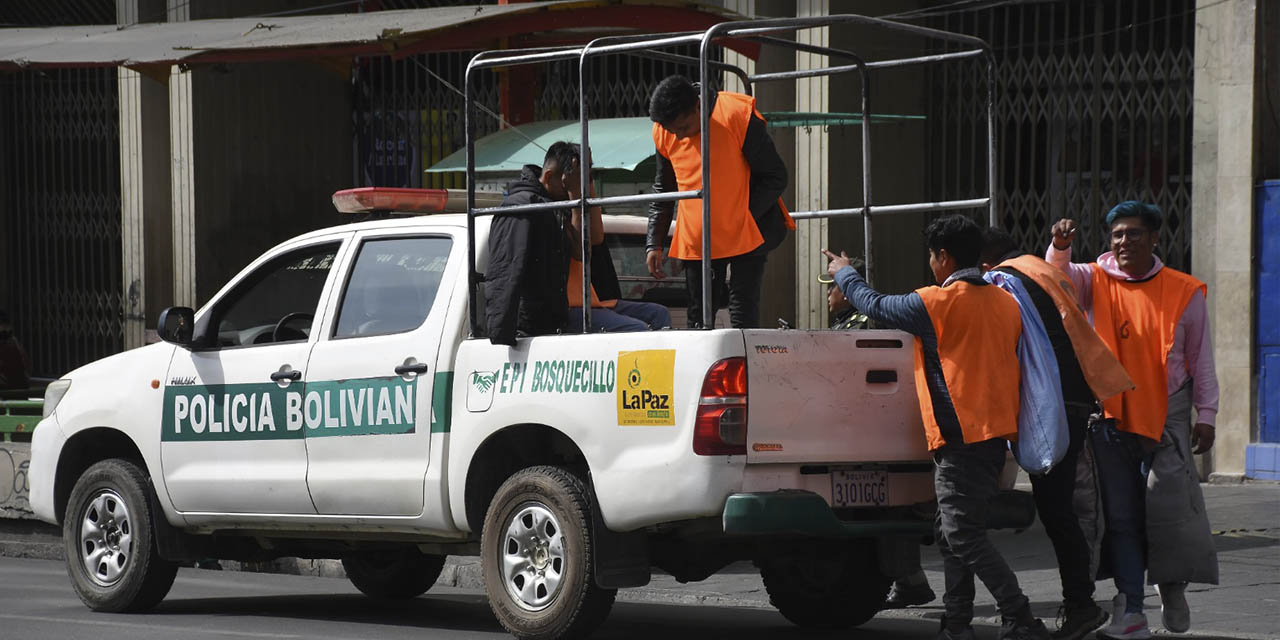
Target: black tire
{"x":393,"y":575}
{"x":829,"y":587}
{"x":563,"y":600}
{"x":127,"y":571}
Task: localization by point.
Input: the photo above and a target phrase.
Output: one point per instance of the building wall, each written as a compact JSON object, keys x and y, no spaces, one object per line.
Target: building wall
{"x":1226,"y":161}
{"x":899,"y":150}
{"x":271,"y":143}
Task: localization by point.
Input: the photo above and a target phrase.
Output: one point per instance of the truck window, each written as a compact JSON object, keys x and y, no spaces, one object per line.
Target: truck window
{"x":285,"y":289}
{"x":392,"y":286}
{"x":627,"y":251}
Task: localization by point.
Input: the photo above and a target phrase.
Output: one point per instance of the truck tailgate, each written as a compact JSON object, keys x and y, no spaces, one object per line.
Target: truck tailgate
{"x":832,"y":397}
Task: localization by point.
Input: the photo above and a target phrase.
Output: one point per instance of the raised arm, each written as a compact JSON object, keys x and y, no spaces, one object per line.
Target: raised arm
{"x":906,"y":311}
{"x":1059,"y":255}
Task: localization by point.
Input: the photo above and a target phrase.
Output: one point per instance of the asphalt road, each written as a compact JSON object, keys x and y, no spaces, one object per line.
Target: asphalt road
{"x":224,"y":604}
{"x":39,"y":603}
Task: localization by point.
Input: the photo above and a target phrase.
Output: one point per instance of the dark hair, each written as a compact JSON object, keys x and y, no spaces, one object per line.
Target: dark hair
{"x":1147,"y":212}
{"x":997,"y":246}
{"x":960,"y":236}
{"x":673,"y":97}
{"x":562,"y":155}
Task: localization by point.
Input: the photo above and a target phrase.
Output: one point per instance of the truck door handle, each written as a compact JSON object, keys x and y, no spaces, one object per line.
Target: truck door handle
{"x":406,"y":369}
{"x":292,"y":374}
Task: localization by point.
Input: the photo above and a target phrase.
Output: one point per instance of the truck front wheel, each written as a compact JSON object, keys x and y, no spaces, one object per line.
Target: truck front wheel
{"x":393,"y":575}
{"x":537,"y":548}
{"x":829,"y":587}
{"x":110,"y":542}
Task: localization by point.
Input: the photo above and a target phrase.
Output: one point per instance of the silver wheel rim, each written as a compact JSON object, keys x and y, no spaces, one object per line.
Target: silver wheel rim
{"x":532,"y":556}
{"x":106,"y":538}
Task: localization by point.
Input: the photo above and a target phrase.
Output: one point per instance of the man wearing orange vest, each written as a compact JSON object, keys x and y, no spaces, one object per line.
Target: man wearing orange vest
{"x":748,"y":219}
{"x":967,"y":383}
{"x":1088,"y":372}
{"x":1155,"y":321}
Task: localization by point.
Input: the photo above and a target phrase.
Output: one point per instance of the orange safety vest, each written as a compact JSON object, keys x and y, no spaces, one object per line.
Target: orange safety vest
{"x":978,"y":329}
{"x":1105,"y":375}
{"x":1137,"y":320}
{"x":575,"y":289}
{"x":733,"y":229}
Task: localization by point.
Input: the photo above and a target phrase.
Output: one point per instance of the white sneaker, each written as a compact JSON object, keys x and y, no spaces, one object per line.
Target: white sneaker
{"x":1174,"y":611}
{"x":1129,"y":626}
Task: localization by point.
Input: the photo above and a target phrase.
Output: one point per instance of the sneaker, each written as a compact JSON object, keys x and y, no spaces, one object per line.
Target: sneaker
{"x":1174,"y":612}
{"x":1075,"y":622}
{"x":1126,"y":626}
{"x":906,"y":595}
{"x":1034,"y":630}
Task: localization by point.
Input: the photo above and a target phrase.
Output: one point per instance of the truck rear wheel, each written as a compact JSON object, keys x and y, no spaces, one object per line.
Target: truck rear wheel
{"x":109,"y":536}
{"x":393,"y":575}
{"x":537,"y":557}
{"x":831,"y":587}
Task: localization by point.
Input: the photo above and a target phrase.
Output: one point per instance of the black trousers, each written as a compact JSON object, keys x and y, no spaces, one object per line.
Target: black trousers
{"x":966,"y":479}
{"x":1053,"y":495}
{"x":736,"y":279}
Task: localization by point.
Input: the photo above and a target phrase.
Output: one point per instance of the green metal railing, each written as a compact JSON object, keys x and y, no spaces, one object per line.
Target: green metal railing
{"x":18,"y":418}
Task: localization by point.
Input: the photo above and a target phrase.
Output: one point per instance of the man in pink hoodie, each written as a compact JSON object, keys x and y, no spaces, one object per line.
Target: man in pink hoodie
{"x":1155,"y":320}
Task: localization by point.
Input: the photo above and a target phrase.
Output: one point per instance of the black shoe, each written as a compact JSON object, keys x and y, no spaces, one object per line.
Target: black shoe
{"x":956,"y":631}
{"x":1034,"y":630}
{"x":964,"y":634}
{"x":1076,"y":622}
{"x":907,"y":595}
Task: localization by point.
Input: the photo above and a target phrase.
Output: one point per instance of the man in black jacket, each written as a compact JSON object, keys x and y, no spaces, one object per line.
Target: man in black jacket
{"x":529,"y":252}
{"x":1054,"y":491}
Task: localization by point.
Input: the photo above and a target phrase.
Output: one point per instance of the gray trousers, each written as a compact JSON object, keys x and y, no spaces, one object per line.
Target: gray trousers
{"x":965,"y":480}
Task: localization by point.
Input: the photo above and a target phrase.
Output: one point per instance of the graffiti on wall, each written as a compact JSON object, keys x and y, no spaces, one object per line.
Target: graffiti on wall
{"x":14,"y":487}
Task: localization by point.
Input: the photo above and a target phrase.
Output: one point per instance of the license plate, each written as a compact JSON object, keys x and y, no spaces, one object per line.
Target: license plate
{"x":859,"y":488}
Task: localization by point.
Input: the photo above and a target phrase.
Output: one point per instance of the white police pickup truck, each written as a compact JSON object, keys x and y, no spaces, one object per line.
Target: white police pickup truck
{"x":328,"y":402}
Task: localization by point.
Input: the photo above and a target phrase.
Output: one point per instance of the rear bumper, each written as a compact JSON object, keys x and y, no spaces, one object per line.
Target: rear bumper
{"x":804,"y":513}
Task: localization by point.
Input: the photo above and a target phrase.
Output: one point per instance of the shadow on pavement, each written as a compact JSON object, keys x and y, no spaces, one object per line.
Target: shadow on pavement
{"x":1238,"y":542}
{"x":456,"y":612}
{"x":471,"y":613}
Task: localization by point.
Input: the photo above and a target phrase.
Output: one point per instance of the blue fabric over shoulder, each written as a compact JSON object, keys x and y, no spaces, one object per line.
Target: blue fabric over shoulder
{"x":1042,"y":418}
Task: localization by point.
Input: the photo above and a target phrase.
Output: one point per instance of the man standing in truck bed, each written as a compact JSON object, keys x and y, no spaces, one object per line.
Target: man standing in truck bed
{"x":748,"y":218}
{"x":967,"y":381}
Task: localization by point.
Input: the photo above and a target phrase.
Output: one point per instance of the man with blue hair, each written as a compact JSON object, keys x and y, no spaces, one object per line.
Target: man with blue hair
{"x":1155,"y":320}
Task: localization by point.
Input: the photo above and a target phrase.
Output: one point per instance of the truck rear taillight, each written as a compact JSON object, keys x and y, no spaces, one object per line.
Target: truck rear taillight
{"x":720,"y":428}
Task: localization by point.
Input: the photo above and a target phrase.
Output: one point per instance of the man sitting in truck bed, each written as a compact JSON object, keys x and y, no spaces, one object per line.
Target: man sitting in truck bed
{"x":967,"y":380}
{"x":529,"y":254}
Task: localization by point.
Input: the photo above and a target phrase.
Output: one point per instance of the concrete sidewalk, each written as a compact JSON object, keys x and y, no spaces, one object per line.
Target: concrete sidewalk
{"x":1245,"y":606}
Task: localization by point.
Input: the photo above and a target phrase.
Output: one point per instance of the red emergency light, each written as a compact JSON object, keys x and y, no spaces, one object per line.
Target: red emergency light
{"x":409,"y":201}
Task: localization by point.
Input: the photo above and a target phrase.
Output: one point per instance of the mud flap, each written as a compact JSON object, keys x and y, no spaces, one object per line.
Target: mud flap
{"x":172,"y":543}
{"x":621,"y":559}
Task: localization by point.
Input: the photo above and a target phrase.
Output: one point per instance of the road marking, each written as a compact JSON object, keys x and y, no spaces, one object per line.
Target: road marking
{"x":149,"y":627}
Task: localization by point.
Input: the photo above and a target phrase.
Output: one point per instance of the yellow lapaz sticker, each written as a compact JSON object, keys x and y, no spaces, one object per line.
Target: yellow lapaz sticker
{"x":646,"y":388}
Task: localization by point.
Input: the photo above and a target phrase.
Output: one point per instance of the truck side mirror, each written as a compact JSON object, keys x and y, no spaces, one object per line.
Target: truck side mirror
{"x":176,"y":325}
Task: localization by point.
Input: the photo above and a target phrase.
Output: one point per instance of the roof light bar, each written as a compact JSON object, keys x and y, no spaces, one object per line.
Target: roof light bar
{"x":409,"y":202}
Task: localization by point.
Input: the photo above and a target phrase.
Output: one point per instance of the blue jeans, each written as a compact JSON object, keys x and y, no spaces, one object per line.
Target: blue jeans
{"x":1123,"y":464}
{"x":627,"y":315}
